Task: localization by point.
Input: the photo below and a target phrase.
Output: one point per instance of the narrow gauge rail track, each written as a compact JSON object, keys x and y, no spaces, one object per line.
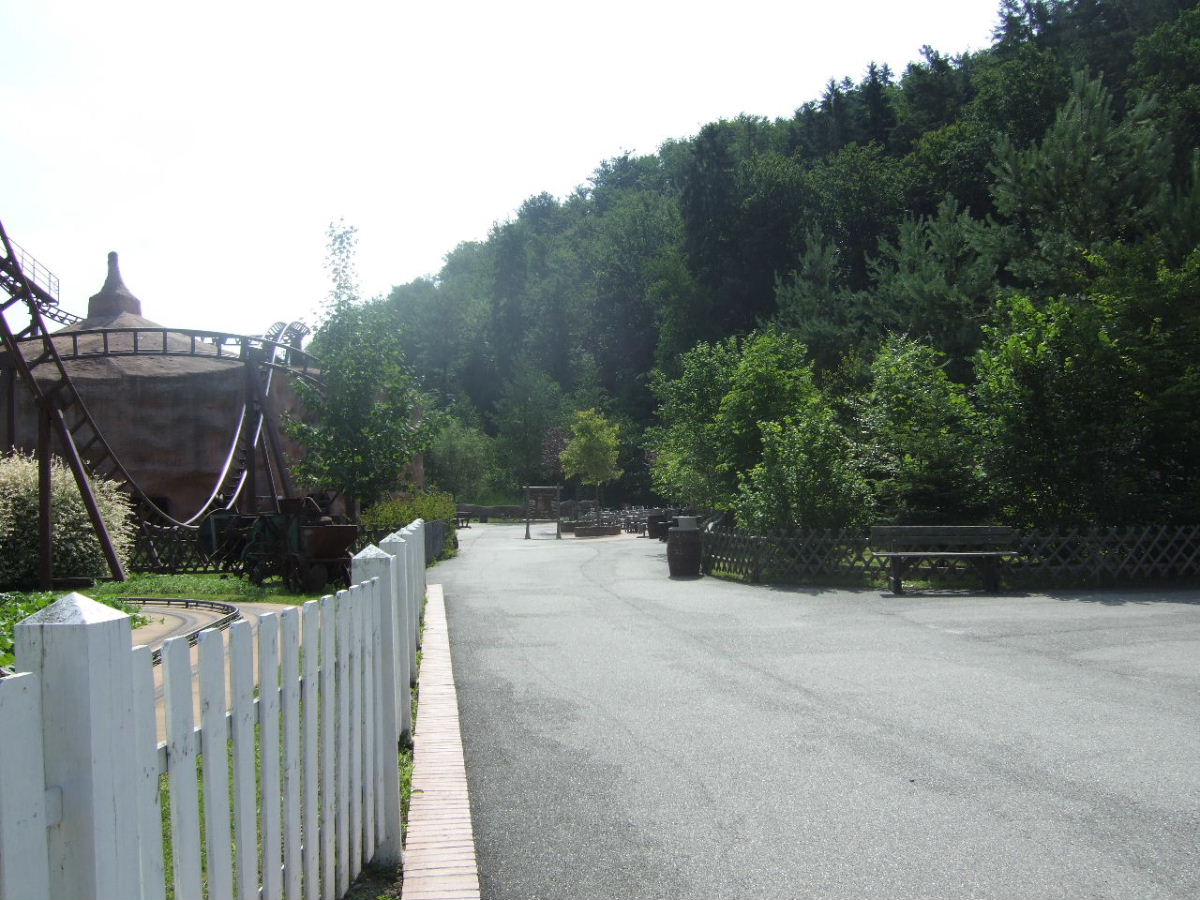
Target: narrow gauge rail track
{"x":232,"y":614}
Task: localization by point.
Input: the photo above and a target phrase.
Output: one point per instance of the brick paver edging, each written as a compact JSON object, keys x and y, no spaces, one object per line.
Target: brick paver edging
{"x":439,"y":850}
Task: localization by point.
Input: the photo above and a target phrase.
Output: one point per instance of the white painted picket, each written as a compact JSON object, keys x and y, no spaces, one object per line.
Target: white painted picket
{"x":24,"y":864}
{"x":243,"y":717}
{"x":297,"y":787}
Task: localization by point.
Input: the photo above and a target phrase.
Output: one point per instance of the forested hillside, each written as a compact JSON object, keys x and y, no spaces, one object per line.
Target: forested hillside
{"x":963,"y":292}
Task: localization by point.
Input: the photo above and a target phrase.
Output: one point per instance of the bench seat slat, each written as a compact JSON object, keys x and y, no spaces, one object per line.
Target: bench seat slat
{"x":982,"y":544}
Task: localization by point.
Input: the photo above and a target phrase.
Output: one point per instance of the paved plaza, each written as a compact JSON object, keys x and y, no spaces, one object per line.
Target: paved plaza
{"x":629,"y":735}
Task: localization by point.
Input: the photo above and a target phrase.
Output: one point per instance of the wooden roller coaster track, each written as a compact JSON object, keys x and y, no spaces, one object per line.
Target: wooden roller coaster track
{"x":38,"y":358}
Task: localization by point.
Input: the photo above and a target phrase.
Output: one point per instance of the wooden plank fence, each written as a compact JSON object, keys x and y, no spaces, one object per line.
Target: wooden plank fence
{"x":1050,"y":557}
{"x":286,"y":786}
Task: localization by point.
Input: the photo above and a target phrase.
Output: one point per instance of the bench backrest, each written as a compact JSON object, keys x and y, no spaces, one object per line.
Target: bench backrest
{"x":915,"y":538}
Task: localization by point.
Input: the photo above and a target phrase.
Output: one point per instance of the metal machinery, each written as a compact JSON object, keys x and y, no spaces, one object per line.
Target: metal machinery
{"x":299,"y":545}
{"x":277,"y":535}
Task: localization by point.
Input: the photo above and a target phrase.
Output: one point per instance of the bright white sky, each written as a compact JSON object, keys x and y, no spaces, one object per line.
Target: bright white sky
{"x":211,"y":144}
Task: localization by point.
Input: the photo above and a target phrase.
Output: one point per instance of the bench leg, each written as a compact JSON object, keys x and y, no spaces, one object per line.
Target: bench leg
{"x":897,"y":575}
{"x":991,"y":576}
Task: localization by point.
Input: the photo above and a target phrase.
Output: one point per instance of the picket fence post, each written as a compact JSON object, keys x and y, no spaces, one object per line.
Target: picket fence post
{"x":417,"y":530}
{"x":402,"y":540}
{"x":406,"y":652}
{"x":422,"y":560}
{"x":406,"y":630}
{"x":79,"y":650}
{"x":412,"y":537}
{"x":374,"y":563}
{"x":24,"y":863}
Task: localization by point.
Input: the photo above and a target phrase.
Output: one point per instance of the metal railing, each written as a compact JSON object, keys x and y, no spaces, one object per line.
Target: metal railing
{"x":35,"y":271}
{"x":158,"y":341}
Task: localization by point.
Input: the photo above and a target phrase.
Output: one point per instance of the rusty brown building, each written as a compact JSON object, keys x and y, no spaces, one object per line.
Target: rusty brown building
{"x":169,"y":402}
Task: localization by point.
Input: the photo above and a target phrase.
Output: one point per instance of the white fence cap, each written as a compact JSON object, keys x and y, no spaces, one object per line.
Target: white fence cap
{"x":74,"y":609}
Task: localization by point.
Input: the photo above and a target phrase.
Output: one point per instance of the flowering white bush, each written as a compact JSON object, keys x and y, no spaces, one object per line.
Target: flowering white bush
{"x":76,"y":550}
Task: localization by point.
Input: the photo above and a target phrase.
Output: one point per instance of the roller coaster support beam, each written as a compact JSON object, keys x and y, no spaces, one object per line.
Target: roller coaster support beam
{"x":250,"y":385}
{"x":45,"y":502}
{"x":10,"y":414}
{"x":273,"y":447}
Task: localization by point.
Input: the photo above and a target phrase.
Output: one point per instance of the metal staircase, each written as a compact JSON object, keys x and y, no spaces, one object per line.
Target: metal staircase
{"x":61,"y":409}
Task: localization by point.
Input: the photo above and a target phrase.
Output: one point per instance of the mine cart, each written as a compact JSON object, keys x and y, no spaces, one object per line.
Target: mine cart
{"x":298,"y":544}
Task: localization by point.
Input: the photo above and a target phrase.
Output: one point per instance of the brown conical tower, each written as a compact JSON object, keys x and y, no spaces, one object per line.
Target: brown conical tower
{"x":114,"y":298}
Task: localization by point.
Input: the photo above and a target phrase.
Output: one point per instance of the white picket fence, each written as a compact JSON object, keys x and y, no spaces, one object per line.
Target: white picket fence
{"x":286,"y":786}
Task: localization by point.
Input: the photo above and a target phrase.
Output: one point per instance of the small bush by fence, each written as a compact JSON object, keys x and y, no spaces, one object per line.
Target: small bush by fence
{"x":1043,"y":557}
{"x":439,"y":537}
{"x":292,"y":767}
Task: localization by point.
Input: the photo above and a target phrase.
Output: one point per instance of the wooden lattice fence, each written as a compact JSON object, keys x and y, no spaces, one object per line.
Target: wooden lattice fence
{"x":1134,"y":553}
{"x":173,"y":550}
{"x":179,"y":550}
{"x":787,"y":557}
{"x":1043,"y":557}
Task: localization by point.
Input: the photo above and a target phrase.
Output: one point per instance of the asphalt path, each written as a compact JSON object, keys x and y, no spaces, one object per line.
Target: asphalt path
{"x":629,"y":735}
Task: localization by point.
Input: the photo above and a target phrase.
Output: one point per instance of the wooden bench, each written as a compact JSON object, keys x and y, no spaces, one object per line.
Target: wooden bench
{"x":983,"y":546}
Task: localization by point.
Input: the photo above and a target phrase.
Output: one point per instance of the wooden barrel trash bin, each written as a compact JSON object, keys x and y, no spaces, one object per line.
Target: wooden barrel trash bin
{"x":683,"y":548}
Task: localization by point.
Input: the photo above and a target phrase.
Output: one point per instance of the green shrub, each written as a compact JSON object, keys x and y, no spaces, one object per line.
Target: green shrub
{"x":77,"y":551}
{"x":461,"y":460}
{"x":807,"y":478}
{"x":430,"y":506}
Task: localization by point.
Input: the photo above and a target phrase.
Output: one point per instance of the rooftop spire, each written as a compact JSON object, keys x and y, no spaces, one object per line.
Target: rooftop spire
{"x":114,"y":298}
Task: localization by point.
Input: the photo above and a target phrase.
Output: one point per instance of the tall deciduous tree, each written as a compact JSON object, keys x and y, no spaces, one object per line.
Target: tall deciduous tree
{"x":530,"y":404}
{"x":1061,"y":418}
{"x":771,"y":380}
{"x":361,"y":430}
{"x":808,"y":476}
{"x":461,"y":460}
{"x":915,"y":438}
{"x":686,"y":443}
{"x":591,"y":453}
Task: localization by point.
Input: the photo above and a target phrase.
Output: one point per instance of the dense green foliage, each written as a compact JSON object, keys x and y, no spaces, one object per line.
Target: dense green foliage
{"x":916,"y":438}
{"x":427,"y":505}
{"x":461,"y":458}
{"x":77,"y":551}
{"x":963,"y":292}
